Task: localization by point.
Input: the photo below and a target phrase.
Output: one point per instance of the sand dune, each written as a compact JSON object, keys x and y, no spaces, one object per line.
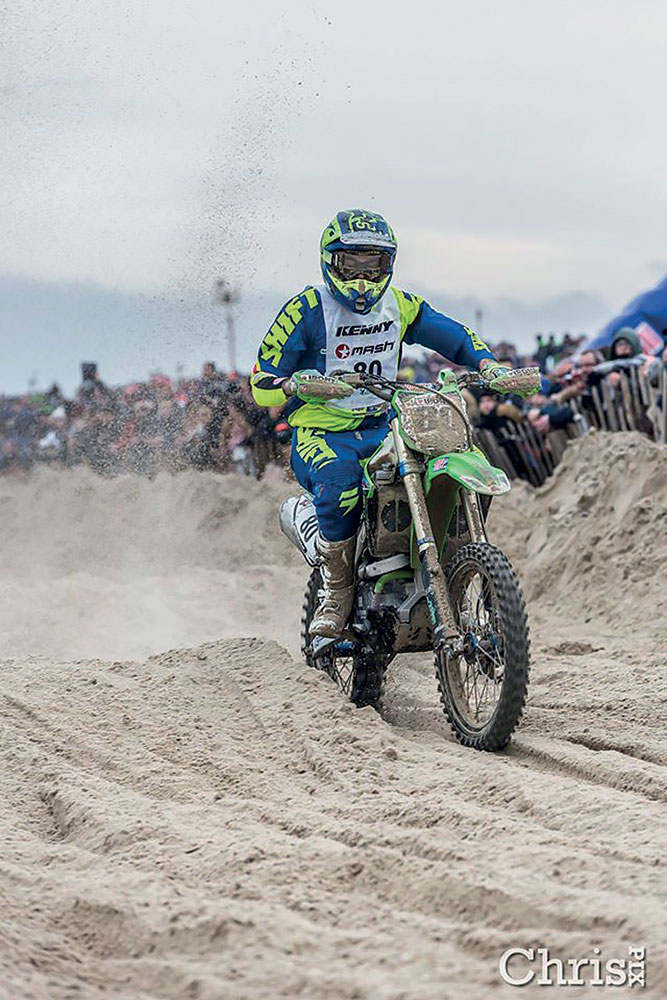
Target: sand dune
{"x":216,"y":822}
{"x":127,"y":567}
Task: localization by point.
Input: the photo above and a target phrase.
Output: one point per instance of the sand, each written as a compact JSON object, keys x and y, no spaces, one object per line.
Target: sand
{"x":186,"y":810}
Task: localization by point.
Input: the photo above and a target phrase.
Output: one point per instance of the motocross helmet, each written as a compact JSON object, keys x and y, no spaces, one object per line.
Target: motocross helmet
{"x":357,"y":254}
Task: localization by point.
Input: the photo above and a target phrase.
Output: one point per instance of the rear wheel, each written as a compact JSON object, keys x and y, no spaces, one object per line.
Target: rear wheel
{"x":483,"y":685}
{"x":359,"y":675}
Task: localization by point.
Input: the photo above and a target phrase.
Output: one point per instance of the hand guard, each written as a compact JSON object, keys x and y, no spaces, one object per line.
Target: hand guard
{"x":522,"y":382}
{"x":313,"y":387}
{"x":511,"y":381}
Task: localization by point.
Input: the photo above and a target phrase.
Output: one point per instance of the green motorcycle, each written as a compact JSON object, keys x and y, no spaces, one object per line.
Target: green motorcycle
{"x":427,"y":577}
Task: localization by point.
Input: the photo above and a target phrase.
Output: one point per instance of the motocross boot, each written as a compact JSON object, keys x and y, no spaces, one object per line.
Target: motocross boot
{"x":337,"y":569}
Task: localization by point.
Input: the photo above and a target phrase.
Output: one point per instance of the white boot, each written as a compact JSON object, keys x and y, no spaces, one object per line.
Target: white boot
{"x":337,"y":569}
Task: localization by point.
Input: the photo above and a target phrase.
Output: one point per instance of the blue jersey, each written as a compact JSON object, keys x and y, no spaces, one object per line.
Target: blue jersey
{"x":313,"y":331}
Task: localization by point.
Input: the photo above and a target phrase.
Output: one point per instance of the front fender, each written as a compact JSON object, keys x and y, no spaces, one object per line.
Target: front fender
{"x":472,"y":470}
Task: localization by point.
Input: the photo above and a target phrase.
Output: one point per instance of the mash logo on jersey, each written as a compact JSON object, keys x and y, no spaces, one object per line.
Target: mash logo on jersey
{"x":359,"y":330}
{"x":342,"y":351}
{"x":368,"y":348}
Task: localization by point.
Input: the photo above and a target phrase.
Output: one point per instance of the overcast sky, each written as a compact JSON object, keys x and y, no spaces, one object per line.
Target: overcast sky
{"x":518,"y":148}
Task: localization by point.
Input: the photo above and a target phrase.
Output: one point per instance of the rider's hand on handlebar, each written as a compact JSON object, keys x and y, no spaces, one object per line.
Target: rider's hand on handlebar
{"x":312,"y":386}
{"x":492,"y":369}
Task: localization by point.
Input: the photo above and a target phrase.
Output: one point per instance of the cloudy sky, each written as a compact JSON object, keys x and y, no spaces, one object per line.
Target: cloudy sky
{"x":152,"y":146}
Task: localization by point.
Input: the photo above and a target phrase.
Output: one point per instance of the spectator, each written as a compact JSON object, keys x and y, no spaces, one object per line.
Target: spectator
{"x":625,"y":344}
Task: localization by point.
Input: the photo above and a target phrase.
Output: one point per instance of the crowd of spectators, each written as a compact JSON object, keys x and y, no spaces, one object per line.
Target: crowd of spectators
{"x":210,"y":422}
{"x":580,"y":389}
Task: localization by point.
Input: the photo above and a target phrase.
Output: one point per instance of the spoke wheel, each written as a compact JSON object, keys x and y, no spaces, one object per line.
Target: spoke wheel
{"x":360,"y":676}
{"x":483,"y":684}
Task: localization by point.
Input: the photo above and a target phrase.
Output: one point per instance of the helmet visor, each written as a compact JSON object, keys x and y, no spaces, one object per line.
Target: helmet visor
{"x":371,"y":265}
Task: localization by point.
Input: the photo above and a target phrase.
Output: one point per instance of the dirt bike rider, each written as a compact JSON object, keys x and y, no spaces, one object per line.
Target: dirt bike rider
{"x":355,"y":321}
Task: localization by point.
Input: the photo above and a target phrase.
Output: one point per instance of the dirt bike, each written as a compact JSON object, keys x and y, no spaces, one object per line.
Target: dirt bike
{"x":427,"y":577}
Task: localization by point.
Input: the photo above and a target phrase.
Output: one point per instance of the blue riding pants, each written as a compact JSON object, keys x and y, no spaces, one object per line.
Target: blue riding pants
{"x":328,"y":465}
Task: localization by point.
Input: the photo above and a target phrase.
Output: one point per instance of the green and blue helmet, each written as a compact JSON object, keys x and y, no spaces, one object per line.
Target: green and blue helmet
{"x":357,"y":254}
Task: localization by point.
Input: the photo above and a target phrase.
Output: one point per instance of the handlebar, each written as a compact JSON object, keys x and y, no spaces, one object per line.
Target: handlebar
{"x":384,"y":388}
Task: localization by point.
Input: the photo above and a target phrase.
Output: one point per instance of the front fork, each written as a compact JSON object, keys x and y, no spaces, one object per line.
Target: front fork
{"x":474,"y":519}
{"x":444,"y":626}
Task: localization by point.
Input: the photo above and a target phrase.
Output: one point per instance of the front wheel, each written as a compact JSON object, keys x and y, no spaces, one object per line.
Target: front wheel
{"x":483,"y":679}
{"x":359,"y":674}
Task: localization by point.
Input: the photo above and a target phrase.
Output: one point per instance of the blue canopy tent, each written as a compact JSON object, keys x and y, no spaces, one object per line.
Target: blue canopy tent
{"x":646,"y":314}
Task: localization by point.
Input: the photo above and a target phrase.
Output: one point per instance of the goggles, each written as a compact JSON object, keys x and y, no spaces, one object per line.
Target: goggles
{"x":371,"y":265}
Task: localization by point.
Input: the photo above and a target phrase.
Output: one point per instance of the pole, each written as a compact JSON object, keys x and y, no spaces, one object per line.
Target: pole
{"x":227,"y":297}
{"x":231,"y":337}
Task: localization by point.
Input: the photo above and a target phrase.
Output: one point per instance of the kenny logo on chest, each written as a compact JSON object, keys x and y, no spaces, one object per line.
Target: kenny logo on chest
{"x":356,"y":331}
